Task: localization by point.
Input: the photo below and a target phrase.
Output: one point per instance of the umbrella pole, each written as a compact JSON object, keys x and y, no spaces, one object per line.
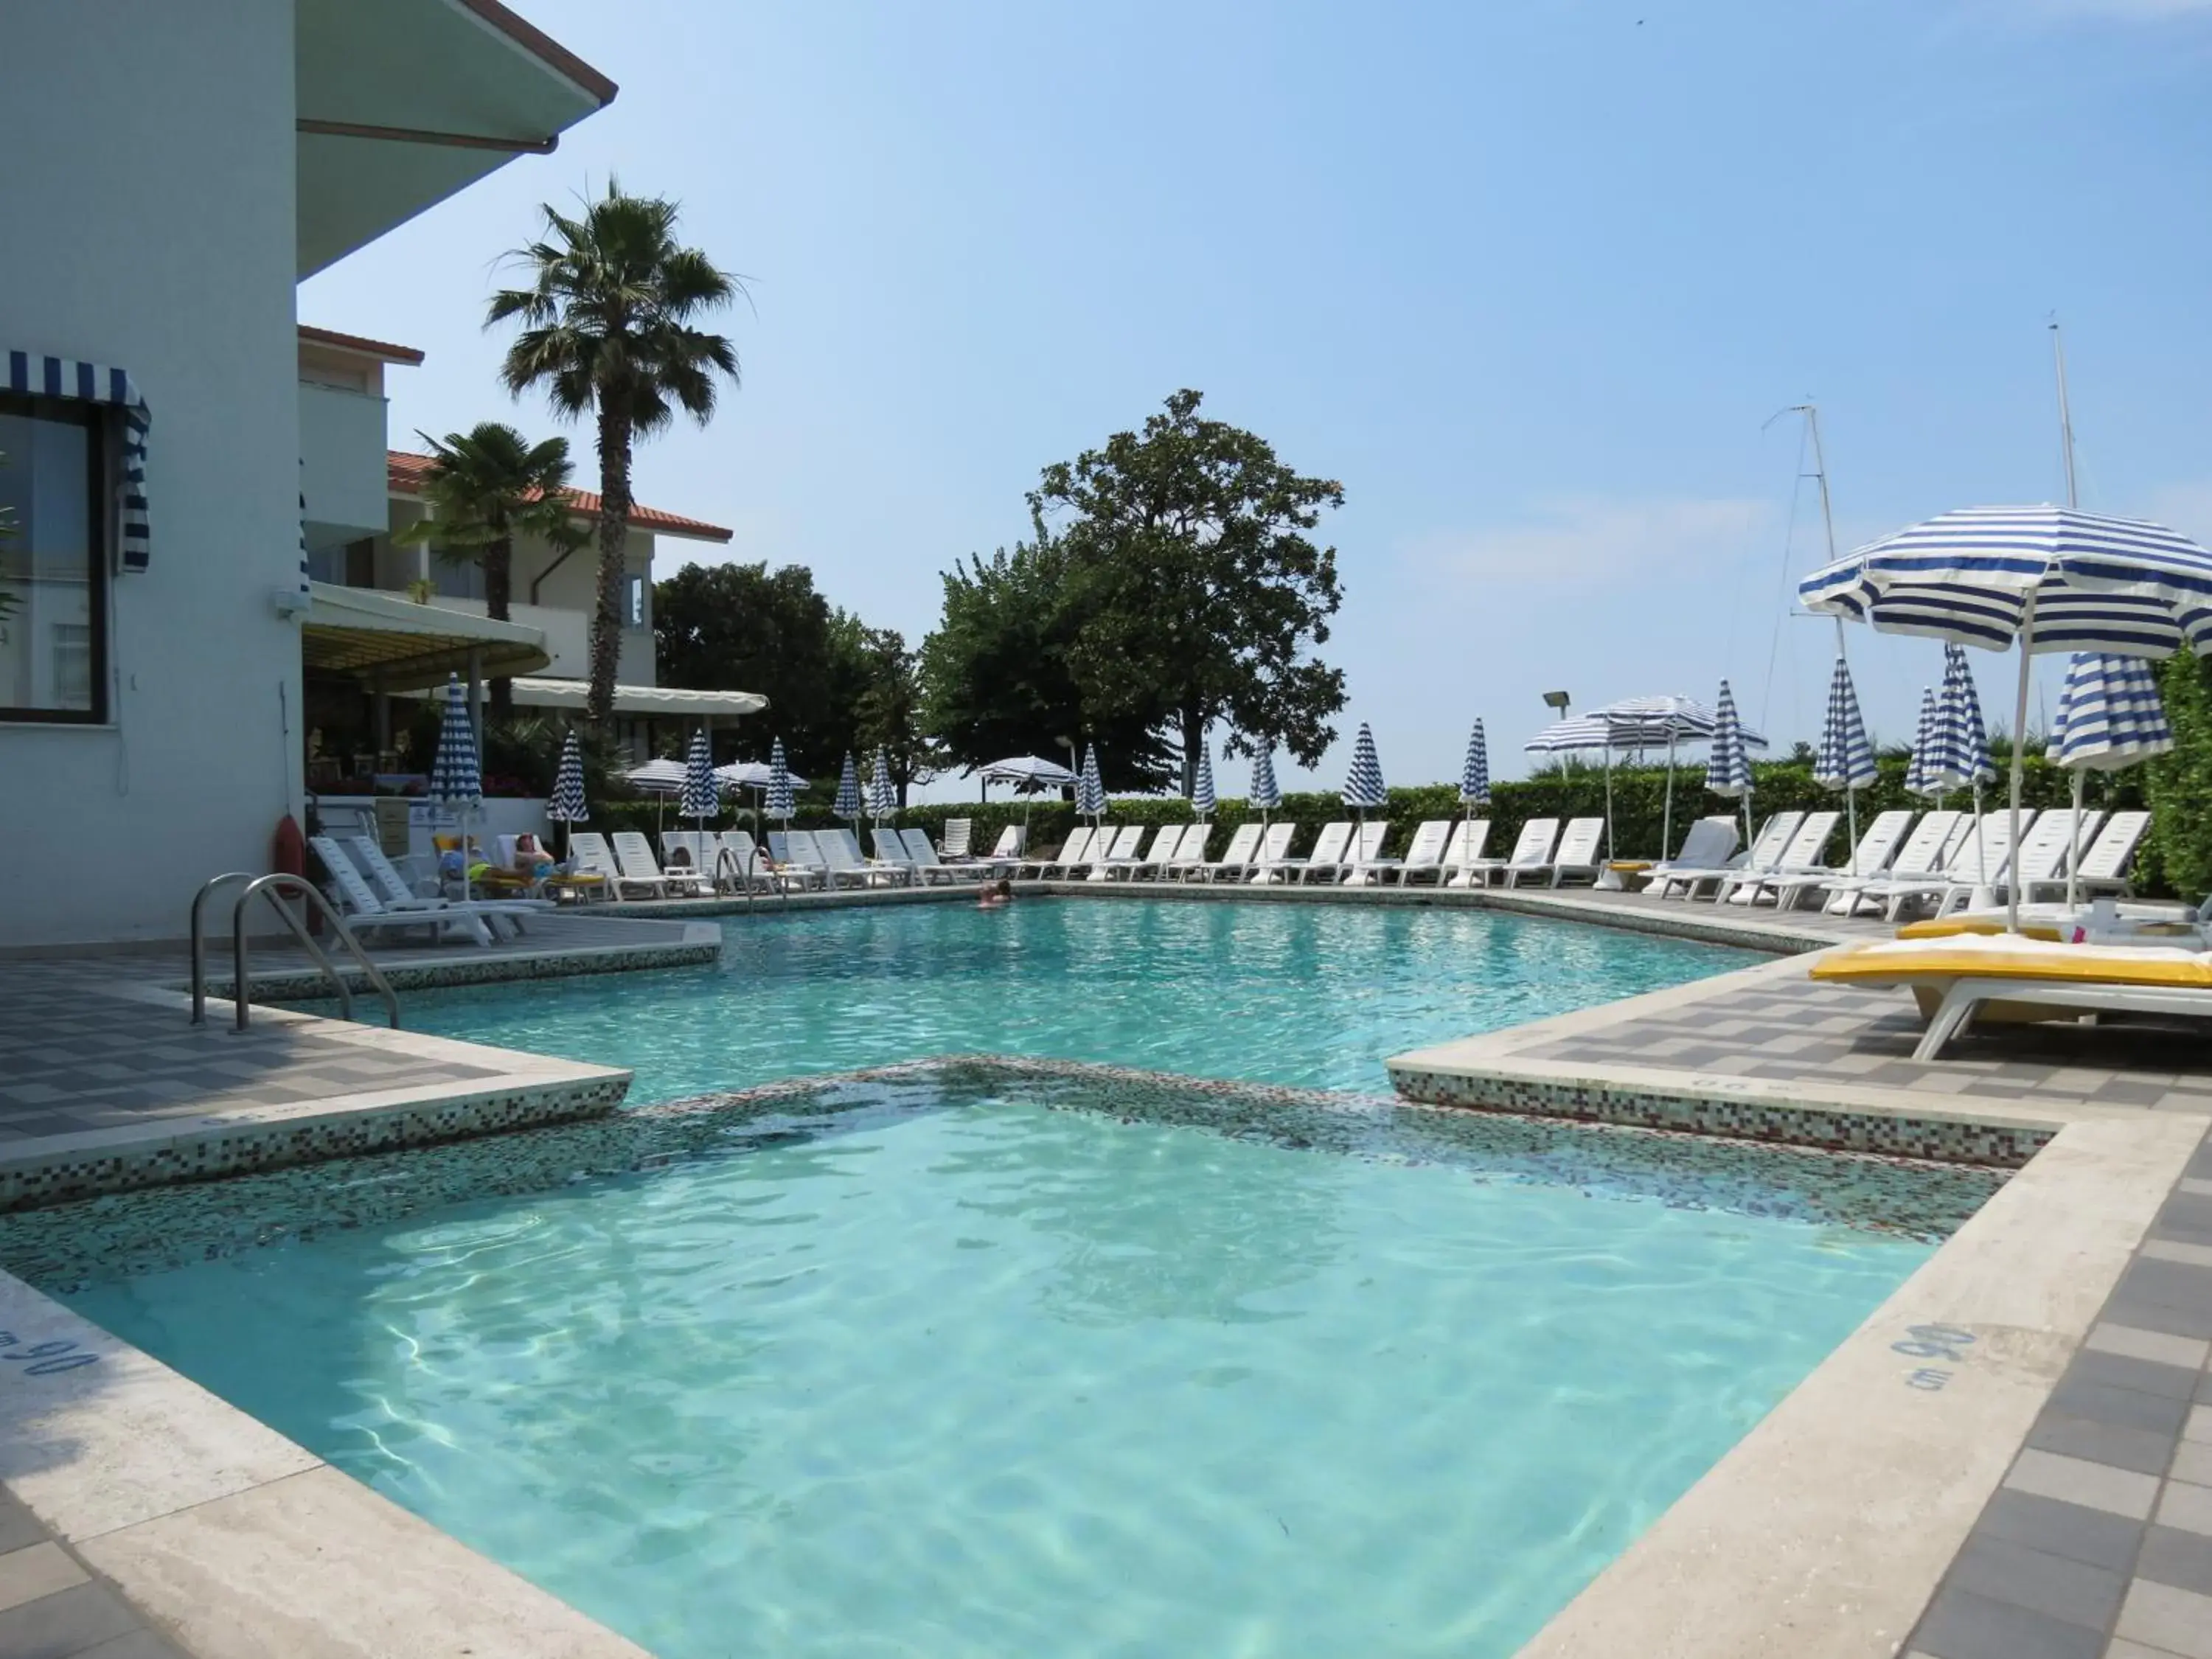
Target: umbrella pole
{"x":1608,"y":803}
{"x":2020,"y":754}
{"x":1667,"y":819}
{"x":2073,"y":845}
{"x":1852,"y":825}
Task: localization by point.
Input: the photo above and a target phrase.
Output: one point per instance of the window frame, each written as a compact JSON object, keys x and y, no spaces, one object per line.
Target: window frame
{"x":100,"y":455}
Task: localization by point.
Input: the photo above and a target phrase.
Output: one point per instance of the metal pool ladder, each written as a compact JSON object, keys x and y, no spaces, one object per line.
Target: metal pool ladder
{"x":274,"y":888}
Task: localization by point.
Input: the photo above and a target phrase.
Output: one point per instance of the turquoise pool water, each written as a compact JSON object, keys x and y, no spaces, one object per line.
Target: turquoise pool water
{"x":970,"y":1378}
{"x":1313,"y":995}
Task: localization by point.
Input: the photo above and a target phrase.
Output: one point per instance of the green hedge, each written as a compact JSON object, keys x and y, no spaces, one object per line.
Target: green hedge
{"x":1638,"y":802}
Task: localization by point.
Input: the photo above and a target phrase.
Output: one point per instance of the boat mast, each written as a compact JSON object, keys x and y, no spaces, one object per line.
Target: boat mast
{"x":2065,"y":415}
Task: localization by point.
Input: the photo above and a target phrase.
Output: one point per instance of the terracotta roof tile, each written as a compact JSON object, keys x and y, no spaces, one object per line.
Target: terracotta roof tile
{"x":330,"y":337}
{"x":406,"y":471}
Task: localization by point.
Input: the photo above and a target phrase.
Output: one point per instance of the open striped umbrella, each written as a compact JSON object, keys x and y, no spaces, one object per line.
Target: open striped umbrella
{"x":2109,"y":717}
{"x":1362,"y":785}
{"x":456,"y":778}
{"x":1474,"y":772}
{"x":1917,"y":779}
{"x":848,"y":804}
{"x":702,"y":792}
{"x":1265,"y":793}
{"x":2046,"y":578}
{"x":883,"y":798}
{"x":1845,"y":760}
{"x":1201,"y":791}
{"x":1727,"y":769}
{"x":1091,"y":787}
{"x":779,"y":805}
{"x":567,"y":805}
{"x":1630,"y":727}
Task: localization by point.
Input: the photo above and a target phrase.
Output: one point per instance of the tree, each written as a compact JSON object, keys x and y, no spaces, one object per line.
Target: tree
{"x":742,"y":628}
{"x":1200,"y":593}
{"x":607,"y":332}
{"x":2177,"y":785}
{"x":887,"y":713}
{"x":996,"y":677}
{"x":485,"y":487}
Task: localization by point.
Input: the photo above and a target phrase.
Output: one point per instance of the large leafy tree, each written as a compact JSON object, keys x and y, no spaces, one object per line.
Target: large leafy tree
{"x":1200,"y":591}
{"x":485,"y":487}
{"x":609,"y":331}
{"x":997,"y":677}
{"x":887,"y":710}
{"x":744,"y":628}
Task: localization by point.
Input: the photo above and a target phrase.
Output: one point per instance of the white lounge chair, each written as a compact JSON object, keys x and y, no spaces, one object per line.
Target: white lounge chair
{"x":2108,"y":855}
{"x":1462,"y":860}
{"x":634,"y":857}
{"x":929,"y":867}
{"x":795,"y":857}
{"x":843,"y":866}
{"x":1766,"y":854}
{"x":1007,"y":853}
{"x":1424,"y":852}
{"x":1075,"y":848}
{"x":366,"y":912}
{"x":1121,"y":853}
{"x":589,"y":852}
{"x":1578,"y":854}
{"x":1364,"y":864}
{"x":1326,"y":853}
{"x":959,"y":844}
{"x":391,"y":887}
{"x":1923,"y":853}
{"x":742,"y":864}
{"x":1800,"y":853}
{"x":1190,"y":852}
{"x":1167,"y":840}
{"x":1980,"y":858}
{"x":1532,"y":850}
{"x":1274,"y":854}
{"x":1710,"y":844}
{"x":1878,"y":844}
{"x":1236,"y":858}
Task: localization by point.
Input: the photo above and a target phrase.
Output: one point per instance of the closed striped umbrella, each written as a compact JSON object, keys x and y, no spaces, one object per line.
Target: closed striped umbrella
{"x":1845,"y":759}
{"x":2109,"y":717}
{"x":1474,"y":772}
{"x":1960,"y":755}
{"x":567,"y":805}
{"x":1919,"y":780}
{"x":1091,"y":787}
{"x":779,"y":805}
{"x":1201,"y":791}
{"x":1265,"y":792}
{"x":702,"y":792}
{"x":883,"y":798}
{"x":456,"y":778}
{"x":1727,"y":769}
{"x":848,"y":804}
{"x":1362,"y":785}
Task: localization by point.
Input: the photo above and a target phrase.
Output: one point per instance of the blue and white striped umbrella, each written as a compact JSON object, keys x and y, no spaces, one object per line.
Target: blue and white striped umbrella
{"x":2109,"y":715}
{"x":1201,"y":791}
{"x":779,"y":805}
{"x":1917,"y":781}
{"x":1474,"y":772}
{"x":848,"y":804}
{"x":1846,"y":758}
{"x":702,"y":792}
{"x":1363,"y":786}
{"x":1265,"y":793}
{"x":1728,"y":771}
{"x":1959,"y":755}
{"x":883,"y":798}
{"x":456,"y":779}
{"x":567,"y":805}
{"x":1091,"y":787}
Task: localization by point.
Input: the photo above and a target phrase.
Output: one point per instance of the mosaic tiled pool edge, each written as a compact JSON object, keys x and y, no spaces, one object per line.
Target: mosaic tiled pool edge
{"x":1944,"y":1140}
{"x":307,"y":985}
{"x":57,"y":1247}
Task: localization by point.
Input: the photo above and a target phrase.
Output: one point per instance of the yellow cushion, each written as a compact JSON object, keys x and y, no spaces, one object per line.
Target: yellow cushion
{"x":1953,"y":927}
{"x":1906,"y":963}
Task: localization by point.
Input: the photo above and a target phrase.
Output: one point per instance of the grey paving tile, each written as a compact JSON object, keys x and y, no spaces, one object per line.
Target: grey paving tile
{"x":2178,"y":1621}
{"x":139,"y":1645}
{"x":1960,"y":1625}
{"x":2146,"y":1451}
{"x":2124,"y":1371}
{"x":63,"y":1626}
{"x":2185,"y":1506}
{"x":2175,"y":1284}
{"x":18,"y":1525}
{"x":2192,"y":1463}
{"x":2095,"y":1536}
{"x":2158,"y":1317}
{"x":2075,"y":1480}
{"x":2073,"y":1592}
{"x":2173,"y":1557}
{"x":2081,"y":1396}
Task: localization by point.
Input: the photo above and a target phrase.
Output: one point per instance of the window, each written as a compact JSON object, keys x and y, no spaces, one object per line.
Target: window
{"x":633,"y":601}
{"x":53,"y":571}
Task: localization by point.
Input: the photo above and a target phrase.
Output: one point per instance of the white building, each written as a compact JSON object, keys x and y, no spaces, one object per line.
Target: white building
{"x":176,"y":171}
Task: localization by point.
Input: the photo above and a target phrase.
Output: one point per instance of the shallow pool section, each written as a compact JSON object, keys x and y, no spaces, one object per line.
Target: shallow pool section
{"x":1311,"y":994}
{"x":917,"y":1368}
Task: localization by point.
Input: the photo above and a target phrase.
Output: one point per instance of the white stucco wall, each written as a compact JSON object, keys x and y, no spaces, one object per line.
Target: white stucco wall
{"x":148,"y":207}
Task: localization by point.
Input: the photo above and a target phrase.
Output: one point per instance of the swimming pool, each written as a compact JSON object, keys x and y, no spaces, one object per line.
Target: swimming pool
{"x":1054,"y":1371}
{"x":1308,"y":994}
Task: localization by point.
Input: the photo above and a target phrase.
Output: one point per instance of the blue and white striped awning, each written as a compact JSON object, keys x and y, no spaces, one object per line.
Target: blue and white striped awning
{"x":1846,"y":758}
{"x":2109,"y":715}
{"x":1201,"y":789}
{"x":567,"y":805}
{"x":2122,"y":585}
{"x":1959,"y":755}
{"x":1728,"y":771}
{"x":702,"y":798}
{"x":30,"y":375}
{"x":1362,"y":785}
{"x":1266,"y":795}
{"x":1623,"y":734}
{"x":456,"y":779}
{"x":1474,"y":772}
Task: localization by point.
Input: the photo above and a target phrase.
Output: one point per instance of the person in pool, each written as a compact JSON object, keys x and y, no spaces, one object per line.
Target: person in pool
{"x":997,"y":896}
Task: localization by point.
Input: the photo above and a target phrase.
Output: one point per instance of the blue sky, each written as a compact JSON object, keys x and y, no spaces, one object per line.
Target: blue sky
{"x":1528,"y":279}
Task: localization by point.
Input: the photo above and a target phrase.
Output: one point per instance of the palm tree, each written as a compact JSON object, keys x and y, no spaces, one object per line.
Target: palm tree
{"x":607,"y":330}
{"x":485,"y":487}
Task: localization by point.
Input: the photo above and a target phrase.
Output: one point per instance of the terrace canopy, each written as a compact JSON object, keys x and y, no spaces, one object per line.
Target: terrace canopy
{"x":393,"y":644}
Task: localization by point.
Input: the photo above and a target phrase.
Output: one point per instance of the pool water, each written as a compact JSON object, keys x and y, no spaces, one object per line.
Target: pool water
{"x":973,"y":1378}
{"x":1310,"y":995}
